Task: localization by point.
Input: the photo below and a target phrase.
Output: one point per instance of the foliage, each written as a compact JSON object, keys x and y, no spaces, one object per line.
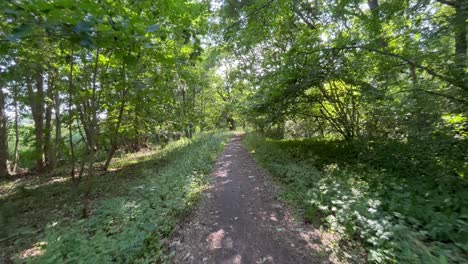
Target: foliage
{"x":405,"y":202}
{"x":377,"y":90}
{"x":127,"y":226}
{"x":350,"y":69}
{"x":129,"y":229}
{"x":112,"y":74}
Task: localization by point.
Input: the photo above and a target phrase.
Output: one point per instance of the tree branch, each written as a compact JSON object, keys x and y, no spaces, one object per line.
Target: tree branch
{"x":249,"y":15}
{"x":15,"y":4}
{"x":407,"y":60}
{"x":446,"y":2}
{"x":301,"y":15}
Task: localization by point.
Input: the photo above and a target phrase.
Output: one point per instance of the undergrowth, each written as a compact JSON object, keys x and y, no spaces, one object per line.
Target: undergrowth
{"x":129,"y":226}
{"x":402,"y":202}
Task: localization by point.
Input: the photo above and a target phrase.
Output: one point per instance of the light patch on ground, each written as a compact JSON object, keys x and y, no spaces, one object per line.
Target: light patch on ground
{"x":35,"y":251}
{"x":215,"y":239}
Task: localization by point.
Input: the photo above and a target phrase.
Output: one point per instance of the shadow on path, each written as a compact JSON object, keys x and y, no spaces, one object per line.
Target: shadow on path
{"x":240,"y":221}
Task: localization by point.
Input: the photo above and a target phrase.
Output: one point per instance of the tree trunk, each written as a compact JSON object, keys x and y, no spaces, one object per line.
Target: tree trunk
{"x":48,"y":131}
{"x":37,"y":108}
{"x":461,"y":13}
{"x":3,"y":138}
{"x":70,"y":121}
{"x":89,"y":109}
{"x":17,"y":138}
{"x":374,"y":7}
{"x":58,"y":131}
{"x":460,"y":32}
{"x":114,"y":144}
{"x":231,"y":123}
{"x":114,"y":138}
{"x":373,"y":4}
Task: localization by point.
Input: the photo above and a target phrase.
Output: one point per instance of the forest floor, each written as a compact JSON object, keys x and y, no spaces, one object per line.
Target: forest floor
{"x":240,"y":220}
{"x":29,"y":203}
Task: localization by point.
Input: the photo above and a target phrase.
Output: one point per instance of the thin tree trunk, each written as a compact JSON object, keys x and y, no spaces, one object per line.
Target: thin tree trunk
{"x":461,"y":45}
{"x":202,"y":111}
{"x":3,"y":138}
{"x":461,"y":13}
{"x":48,"y":131}
{"x":72,"y":147}
{"x":58,"y":131}
{"x":17,"y":138}
{"x":70,"y":121}
{"x":114,"y":144}
{"x":88,"y":109}
{"x":137,"y":144}
{"x":94,"y":109}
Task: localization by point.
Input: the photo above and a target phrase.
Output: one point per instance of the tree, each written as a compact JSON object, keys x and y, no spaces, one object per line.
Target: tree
{"x":384,"y":50}
{"x":4,"y":170}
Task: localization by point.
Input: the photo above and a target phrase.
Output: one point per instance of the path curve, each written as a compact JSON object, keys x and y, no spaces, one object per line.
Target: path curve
{"x":239,"y":220}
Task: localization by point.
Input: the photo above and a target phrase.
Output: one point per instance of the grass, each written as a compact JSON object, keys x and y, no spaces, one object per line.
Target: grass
{"x":133,"y":207}
{"x":402,"y":202}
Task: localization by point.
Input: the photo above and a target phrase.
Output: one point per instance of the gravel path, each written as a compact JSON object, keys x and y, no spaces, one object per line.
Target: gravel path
{"x":239,"y":220}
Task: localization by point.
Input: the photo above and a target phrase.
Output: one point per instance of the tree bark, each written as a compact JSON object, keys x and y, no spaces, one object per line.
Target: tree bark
{"x":48,"y":128}
{"x":4,"y":172}
{"x":17,"y":138}
{"x":461,"y":13}
{"x":58,"y":131}
{"x":373,"y":4}
{"x":460,"y":33}
{"x":70,"y":121}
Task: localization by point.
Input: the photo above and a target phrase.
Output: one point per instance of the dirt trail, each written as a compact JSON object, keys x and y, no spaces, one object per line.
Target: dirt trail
{"x":239,"y":220}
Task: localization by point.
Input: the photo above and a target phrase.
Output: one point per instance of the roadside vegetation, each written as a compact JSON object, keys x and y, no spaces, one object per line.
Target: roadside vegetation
{"x":133,"y":208}
{"x":403,"y":202}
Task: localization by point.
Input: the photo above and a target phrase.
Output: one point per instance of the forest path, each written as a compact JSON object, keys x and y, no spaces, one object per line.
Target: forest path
{"x":239,"y":220}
